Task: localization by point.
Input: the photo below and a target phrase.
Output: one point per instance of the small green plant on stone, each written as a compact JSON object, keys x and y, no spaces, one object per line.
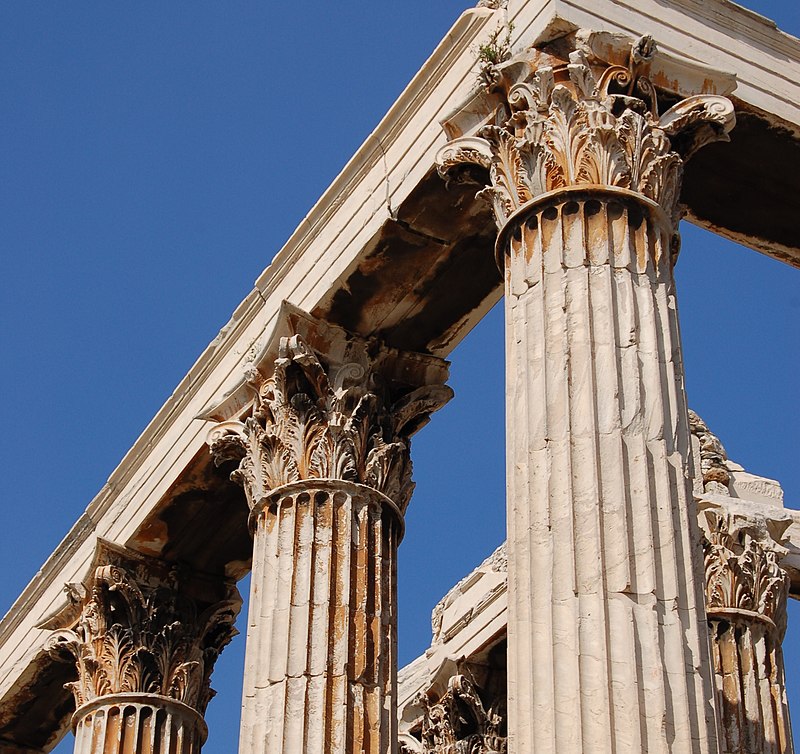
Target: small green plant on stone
{"x":496,"y":50}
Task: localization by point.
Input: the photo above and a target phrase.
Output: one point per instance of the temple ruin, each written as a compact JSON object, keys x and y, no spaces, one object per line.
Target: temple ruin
{"x":544,"y":154}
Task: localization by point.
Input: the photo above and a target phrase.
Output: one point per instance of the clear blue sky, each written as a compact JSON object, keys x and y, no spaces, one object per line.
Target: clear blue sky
{"x":155,"y":156}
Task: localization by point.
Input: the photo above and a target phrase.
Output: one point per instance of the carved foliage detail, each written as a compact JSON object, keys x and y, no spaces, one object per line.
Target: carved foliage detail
{"x":137,"y":634}
{"x":742,"y":566}
{"x":318,"y":421}
{"x":577,"y":127}
{"x":461,"y":723}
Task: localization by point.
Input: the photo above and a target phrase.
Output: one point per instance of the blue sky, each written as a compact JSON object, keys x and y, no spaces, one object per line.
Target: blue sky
{"x":155,"y":156}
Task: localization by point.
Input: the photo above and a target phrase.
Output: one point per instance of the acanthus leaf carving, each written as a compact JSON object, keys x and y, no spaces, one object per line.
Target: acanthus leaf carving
{"x":136,"y":632}
{"x":742,"y":556}
{"x":461,"y":722}
{"x":575,"y":125}
{"x":350,"y":419}
{"x":746,"y":594}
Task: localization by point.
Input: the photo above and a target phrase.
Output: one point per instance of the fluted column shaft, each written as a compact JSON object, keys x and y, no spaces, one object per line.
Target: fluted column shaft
{"x":751,"y":686}
{"x":138,"y":724}
{"x":605,"y":614}
{"x":321,"y":642}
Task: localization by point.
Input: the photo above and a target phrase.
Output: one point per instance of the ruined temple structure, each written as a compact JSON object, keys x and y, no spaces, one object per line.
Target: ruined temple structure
{"x":545,"y":153}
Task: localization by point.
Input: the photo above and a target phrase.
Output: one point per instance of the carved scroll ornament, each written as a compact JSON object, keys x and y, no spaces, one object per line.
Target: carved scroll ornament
{"x":575,"y":125}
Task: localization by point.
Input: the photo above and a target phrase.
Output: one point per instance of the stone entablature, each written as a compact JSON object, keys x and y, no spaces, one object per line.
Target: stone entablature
{"x":337,"y":244}
{"x":468,"y":622}
{"x":715,"y":473}
{"x":454,"y":695}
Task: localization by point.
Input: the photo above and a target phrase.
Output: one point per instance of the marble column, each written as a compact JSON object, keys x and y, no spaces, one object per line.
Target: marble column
{"x":746,"y":595}
{"x":324,"y":461}
{"x":144,"y":636}
{"x":746,"y":590}
{"x":608,"y":646}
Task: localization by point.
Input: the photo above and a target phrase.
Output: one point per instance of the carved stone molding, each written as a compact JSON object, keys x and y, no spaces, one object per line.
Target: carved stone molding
{"x":139,"y":724}
{"x":746,"y":592}
{"x":459,"y":706}
{"x":496,"y":563}
{"x":742,"y":552}
{"x":582,"y":125}
{"x":139,"y":626}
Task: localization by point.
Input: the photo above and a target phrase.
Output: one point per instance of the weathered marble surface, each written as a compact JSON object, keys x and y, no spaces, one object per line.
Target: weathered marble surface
{"x":605,"y":616}
{"x":745,"y":589}
{"x":142,"y":636}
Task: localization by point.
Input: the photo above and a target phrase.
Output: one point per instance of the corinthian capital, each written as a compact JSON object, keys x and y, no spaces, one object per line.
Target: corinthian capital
{"x":584,"y":125}
{"x":743,"y":550}
{"x":132,"y":628}
{"x":461,"y":721}
{"x":333,"y":406}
